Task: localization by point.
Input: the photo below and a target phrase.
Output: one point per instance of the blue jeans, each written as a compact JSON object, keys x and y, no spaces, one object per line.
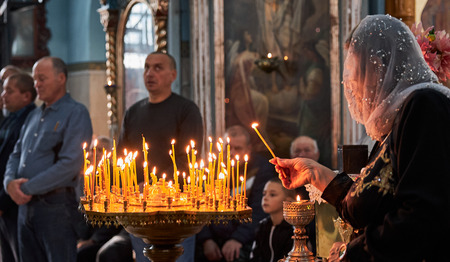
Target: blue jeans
{"x":188,"y":245}
{"x":47,"y":228}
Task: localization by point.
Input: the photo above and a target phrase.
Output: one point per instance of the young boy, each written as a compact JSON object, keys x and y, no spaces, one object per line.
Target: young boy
{"x":273,"y":238}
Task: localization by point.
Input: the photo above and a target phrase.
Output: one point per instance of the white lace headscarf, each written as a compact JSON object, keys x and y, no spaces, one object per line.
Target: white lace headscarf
{"x":384,"y":65}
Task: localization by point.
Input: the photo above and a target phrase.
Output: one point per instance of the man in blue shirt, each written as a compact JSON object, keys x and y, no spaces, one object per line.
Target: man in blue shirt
{"x":18,"y":96}
{"x":42,"y":172}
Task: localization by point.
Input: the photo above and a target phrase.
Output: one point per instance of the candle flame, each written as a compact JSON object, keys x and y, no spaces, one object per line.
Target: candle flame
{"x":195,"y":165}
{"x":204,"y":177}
{"x":189,"y":179}
{"x":84,"y":145}
{"x":119,"y":162}
{"x":125,"y":152}
{"x":169,"y":184}
{"x":170,"y":152}
{"x":220,"y":140}
{"x":269,"y":55}
{"x":95,"y":143}
{"x":210,"y":139}
{"x":192,"y":144}
{"x":255,"y":125}
{"x":241,"y":178}
{"x":219,"y":147}
{"x":173,"y":141}
{"x":135,"y":154}
{"x":154,"y":170}
{"x":237,"y":157}
{"x":146,"y":146}
{"x":232,"y":162}
{"x":89,"y":170}
{"x":145,"y":164}
{"x":164,"y":176}
{"x":207,"y":170}
{"x":187,"y":149}
{"x":214,"y":156}
{"x":109,"y":155}
{"x":202,"y":164}
{"x":246,"y":158}
{"x":184,"y":174}
{"x":109,"y":83}
{"x":223,"y":165}
{"x":285,"y":58}
{"x":221,"y":176}
{"x":228,"y":139}
{"x":87,"y":154}
{"x":298,"y":198}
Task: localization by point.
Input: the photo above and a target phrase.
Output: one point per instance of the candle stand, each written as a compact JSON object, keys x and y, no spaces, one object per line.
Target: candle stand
{"x":299,"y":214}
{"x":164,"y":227}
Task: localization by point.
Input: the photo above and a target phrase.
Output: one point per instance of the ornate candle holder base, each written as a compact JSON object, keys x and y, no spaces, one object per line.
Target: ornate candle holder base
{"x":299,"y":214}
{"x":164,"y":229}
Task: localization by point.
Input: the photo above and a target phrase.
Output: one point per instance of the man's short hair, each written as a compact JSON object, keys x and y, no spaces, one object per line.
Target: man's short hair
{"x":58,"y":64}
{"x":25,"y":83}
{"x":12,"y":68}
{"x":237,"y":130}
{"x":314,"y":142}
{"x":173,"y":63}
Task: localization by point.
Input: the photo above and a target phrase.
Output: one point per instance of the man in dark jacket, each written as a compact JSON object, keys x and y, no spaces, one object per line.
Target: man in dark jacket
{"x":18,"y":98}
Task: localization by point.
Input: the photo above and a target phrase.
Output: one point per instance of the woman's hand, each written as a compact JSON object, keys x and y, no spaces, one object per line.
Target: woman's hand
{"x":300,"y":171}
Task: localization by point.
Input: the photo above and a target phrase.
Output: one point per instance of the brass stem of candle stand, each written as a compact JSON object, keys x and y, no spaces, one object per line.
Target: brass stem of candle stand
{"x":299,"y":214}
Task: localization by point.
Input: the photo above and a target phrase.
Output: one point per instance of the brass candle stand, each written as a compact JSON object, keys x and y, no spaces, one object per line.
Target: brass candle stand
{"x":299,"y":214}
{"x":163,"y":227}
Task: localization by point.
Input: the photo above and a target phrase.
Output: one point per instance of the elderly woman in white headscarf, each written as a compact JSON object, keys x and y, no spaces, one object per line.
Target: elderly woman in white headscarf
{"x":401,"y":201}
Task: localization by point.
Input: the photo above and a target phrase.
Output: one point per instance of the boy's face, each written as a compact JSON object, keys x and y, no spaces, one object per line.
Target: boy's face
{"x":273,"y":197}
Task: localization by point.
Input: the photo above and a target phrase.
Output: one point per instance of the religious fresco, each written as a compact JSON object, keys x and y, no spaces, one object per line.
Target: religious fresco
{"x":290,"y":96}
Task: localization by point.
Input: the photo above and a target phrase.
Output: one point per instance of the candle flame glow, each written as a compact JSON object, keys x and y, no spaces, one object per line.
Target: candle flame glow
{"x":145,"y":164}
{"x":255,"y":125}
{"x":192,"y":143}
{"x":210,"y":139}
{"x":237,"y":157}
{"x":298,"y":198}
{"x":285,"y":58}
{"x":84,"y":145}
{"x":232,"y":162}
{"x":89,"y":170}
{"x":187,"y":149}
{"x":95,"y":143}
{"x":173,"y":141}
{"x":269,"y":55}
{"x":228,"y":139}
{"x":221,"y":176}
{"x":119,"y":162}
{"x":246,"y":158}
